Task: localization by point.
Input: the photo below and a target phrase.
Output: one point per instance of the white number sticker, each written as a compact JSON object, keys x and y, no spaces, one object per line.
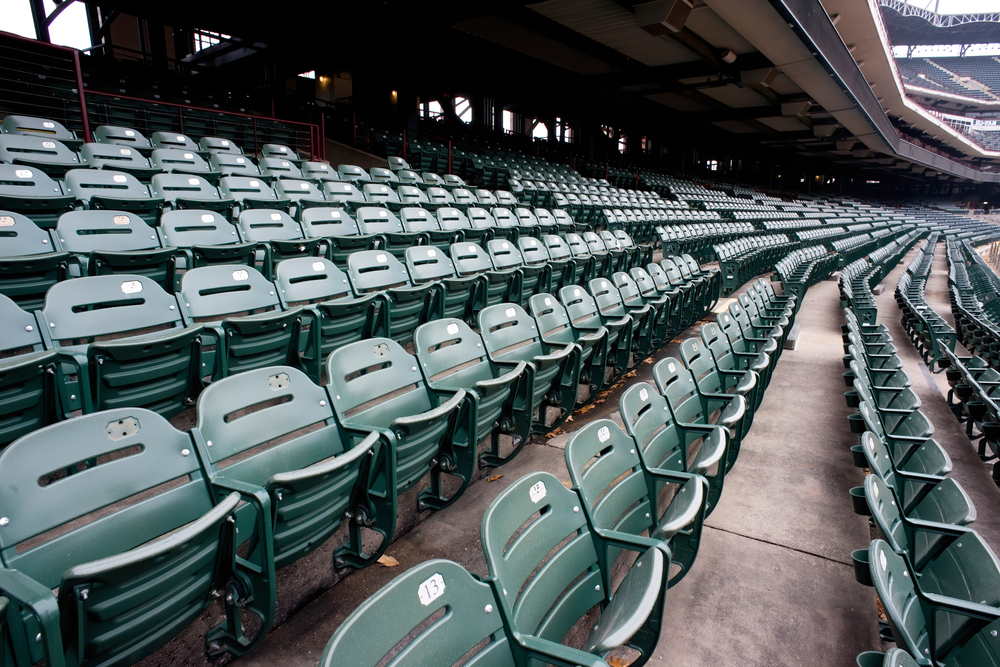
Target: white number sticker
{"x":240,"y":160}
{"x":671,"y":367}
{"x":431,"y":252}
{"x":120,"y":219}
{"x":881,"y":559}
{"x":576,"y":292}
{"x":603,"y":434}
{"x":452,"y":329}
{"x":275,"y":216}
{"x":208,"y":217}
{"x":254,"y":184}
{"x":505,"y":245}
{"x":431,"y":590}
{"x":548,"y":301}
{"x":381,"y":258}
{"x":6,"y":221}
{"x":48,"y":125}
{"x":129,"y":133}
{"x":383,"y":189}
{"x":643,"y":394}
{"x":241,"y":274}
{"x":188,"y":156}
{"x":48,"y":144}
{"x":381,"y":214}
{"x":537,"y":492}
{"x":180,"y":137}
{"x":126,"y":151}
{"x":318,"y":266}
{"x":304,"y":186}
{"x":224,"y":142}
{"x":23,"y":173}
{"x":119,"y":178}
{"x":284,"y":164}
{"x":472,"y":248}
{"x":192,"y":181}
{"x":510,"y":312}
{"x":131,"y":287}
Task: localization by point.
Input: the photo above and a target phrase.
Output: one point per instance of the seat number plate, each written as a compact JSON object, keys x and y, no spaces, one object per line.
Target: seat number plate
{"x":603,"y":434}
{"x":431,"y":589}
{"x":537,"y":492}
{"x":643,"y":394}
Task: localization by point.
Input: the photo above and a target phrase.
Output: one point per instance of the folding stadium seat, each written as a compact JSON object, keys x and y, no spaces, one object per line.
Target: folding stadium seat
{"x":499,"y":286}
{"x":171,"y":160}
{"x":397,"y":163}
{"x":463,"y":199}
{"x":507,"y":223}
{"x":408,"y":305}
{"x":301,"y":194}
{"x":353,"y":174}
{"x":338,"y":232}
{"x":243,"y":320}
{"x":611,"y":305}
{"x":178,"y":535}
{"x":380,"y":194}
{"x":733,"y":363}
{"x":486,"y":198}
{"x":453,"y":357}
{"x":203,"y":238}
{"x":276,"y":168}
{"x":937,"y":629}
{"x":172,"y":141}
{"x":232,"y":165}
{"x":689,"y":406}
{"x":313,"y":481}
{"x":333,"y":314}
{"x":277,"y":236}
{"x":32,"y":193}
{"x":123,"y":136}
{"x":214,"y":145}
{"x":511,"y":336}
{"x":27,"y":375}
{"x":410,"y":177}
{"x":47,"y":155}
{"x":187,"y":191}
{"x":457,"y":297}
{"x":505,"y":199}
{"x":376,"y":385}
{"x":621,"y":493}
{"x":557,"y":329}
{"x":118,"y":158}
{"x":320,"y":172}
{"x":279,"y":152}
{"x":713,"y":382}
{"x":379,"y":222}
{"x":607,"y":263}
{"x":758,"y":335}
{"x":528,"y":223}
{"x":535,"y":278}
{"x":250,"y":192}
{"x":115,"y":242}
{"x":634,"y":298}
{"x":147,"y":356}
{"x":105,"y":189}
{"x":482,"y":225}
{"x":560,"y":259}
{"x":344,"y":194}
{"x":415,"y":220}
{"x":537,"y":568}
{"x":403,"y":621}
{"x":382,"y":175}
{"x":587,"y":265}
{"x":40,"y":127}
{"x":30,"y":262}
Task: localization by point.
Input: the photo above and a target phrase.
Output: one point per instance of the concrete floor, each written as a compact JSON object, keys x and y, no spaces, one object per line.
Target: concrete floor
{"x":772,"y":584}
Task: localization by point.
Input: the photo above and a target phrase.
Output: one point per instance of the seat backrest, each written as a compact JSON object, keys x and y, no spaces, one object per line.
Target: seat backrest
{"x":85,"y":308}
{"x":525,"y":217}
{"x":504,"y":217}
{"x":629,"y":290}
{"x":896,"y":588}
{"x":425,"y":263}
{"x":675,"y":383}
{"x":578,"y":246}
{"x":311,"y":279}
{"x":351,"y":172}
{"x":20,"y":331}
{"x":605,"y":468}
{"x":278,"y":151}
{"x":258,"y":224}
{"x":17,"y":147}
{"x":20,"y":236}
{"x":153,"y":448}
{"x":210,"y":293}
{"x":320,"y":221}
{"x":121,"y":136}
{"x":533,"y":252}
{"x":556,"y":247}
{"x":22,"y":182}
{"x":545,"y":217}
{"x":504,"y":254}
{"x":561,"y":217}
{"x":277,"y":167}
{"x":236,"y":165}
{"x":318,"y":171}
{"x":172,"y":187}
{"x":172,"y":141}
{"x":415,"y":219}
{"x":375,"y":270}
{"x":189,"y":227}
{"x":175,"y":159}
{"x":485,"y":197}
{"x":595,"y":243}
{"x":375,"y":381}
{"x":83,"y":184}
{"x":408,"y":177}
{"x":449,"y":348}
{"x":219,"y":145}
{"x":36,"y":127}
{"x":510,"y":334}
{"x":86,"y":231}
{"x":388,"y":620}
{"x":673,"y":273}
{"x":450,"y":218}
{"x":648,"y":420}
{"x":532,"y":593}
{"x":464,"y":197}
{"x":440,"y":196}
{"x":377,"y":220}
{"x":111,"y":156}
{"x":343,"y":192}
{"x":377,"y":193}
{"x":383,"y":175}
{"x":552,"y":318}
{"x":470,"y":258}
{"x":608,"y":298}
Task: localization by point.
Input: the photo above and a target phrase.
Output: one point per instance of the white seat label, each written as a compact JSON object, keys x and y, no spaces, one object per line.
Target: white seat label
{"x":452,"y":329}
{"x":48,"y":144}
{"x":431,"y":590}
{"x":431,"y":252}
{"x":120,"y":219}
{"x":603,"y":434}
{"x":472,"y":248}
{"x":881,"y":559}
{"x":6,"y":221}
{"x":224,"y":142}
{"x":643,"y":394}
{"x":119,"y":178}
{"x":671,"y":367}
{"x":180,"y":137}
{"x":240,"y":160}
{"x":284,"y":164}
{"x":381,"y":258}
{"x":576,"y":292}
{"x":254,"y":184}
{"x":129,"y":133}
{"x":23,"y":173}
{"x":131,"y":286}
{"x":537,"y":492}
{"x":275,"y":216}
{"x":188,"y":156}
{"x":192,"y":181}
{"x":510,"y":312}
{"x":241,"y":274}
{"x":318,"y":266}
{"x":126,"y":151}
{"x":208,"y":217}
{"x":48,"y":125}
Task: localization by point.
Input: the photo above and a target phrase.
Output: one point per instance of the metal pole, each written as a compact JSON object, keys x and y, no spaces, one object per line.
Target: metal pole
{"x":255,"y":135}
{"x":449,"y":156}
{"x":322,"y":132}
{"x":83,"y":100}
{"x":180,"y":117}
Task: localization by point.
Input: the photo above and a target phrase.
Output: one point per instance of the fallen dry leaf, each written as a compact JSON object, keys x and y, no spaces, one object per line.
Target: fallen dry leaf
{"x":493,"y":478}
{"x":650,"y":360}
{"x":387,"y":561}
{"x":552,"y":434}
{"x":568,"y":485}
{"x":616,"y":662}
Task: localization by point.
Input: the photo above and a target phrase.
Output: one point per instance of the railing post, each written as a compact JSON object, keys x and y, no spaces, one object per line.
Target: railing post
{"x":449,"y":156}
{"x":83,"y":100}
{"x":180,"y":117}
{"x":322,"y":136}
{"x":404,"y":144}
{"x":255,"y":150}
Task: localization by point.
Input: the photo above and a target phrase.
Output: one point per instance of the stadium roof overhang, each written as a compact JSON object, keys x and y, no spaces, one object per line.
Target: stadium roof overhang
{"x":716,"y":68}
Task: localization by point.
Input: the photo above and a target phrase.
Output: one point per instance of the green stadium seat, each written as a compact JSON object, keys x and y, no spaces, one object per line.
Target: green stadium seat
{"x":32,"y":193}
{"x":612,"y":306}
{"x":172,"y":141}
{"x":551,"y":582}
{"x":320,"y":172}
{"x":377,"y":386}
{"x":621,"y":495}
{"x":582,"y":310}
{"x":250,"y":192}
{"x":344,"y":194}
{"x":252,"y":437}
{"x":203,"y":238}
{"x":27,"y":375}
{"x":407,"y":305}
{"x":232,"y":165}
{"x":48,"y":155}
{"x":635,"y":300}
{"x":380,"y":194}
{"x":557,"y":330}
{"x":277,"y":237}
{"x":118,"y":158}
{"x":187,"y":191}
{"x":106,"y":189}
{"x":382,"y":223}
{"x":123,"y":136}
{"x":215,"y":145}
{"x":177,"y":161}
{"x":276,"y":168}
{"x":30,"y":262}
{"x":457,"y":297}
{"x":498,"y":286}
{"x":45,"y":128}
{"x":279,"y":152}
{"x":182,"y":537}
{"x":244,"y":324}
